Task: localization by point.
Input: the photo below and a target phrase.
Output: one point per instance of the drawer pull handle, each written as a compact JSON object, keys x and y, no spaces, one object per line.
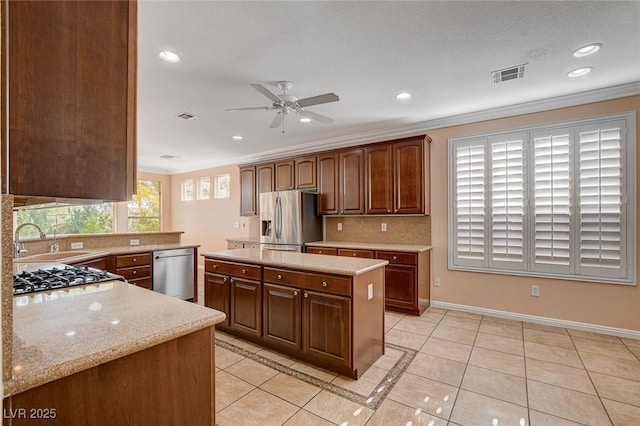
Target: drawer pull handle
{"x":306,"y":295}
{"x":324,"y":284}
{"x":215,"y":266}
{"x":279,"y":276}
{"x":295,"y":293}
{"x":395,"y":257}
{"x":244,"y":271}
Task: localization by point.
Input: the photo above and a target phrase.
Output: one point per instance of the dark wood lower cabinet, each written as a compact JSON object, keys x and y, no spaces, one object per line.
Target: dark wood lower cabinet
{"x":400,"y":290}
{"x":325,"y":321}
{"x":216,"y":295}
{"x":281,"y":315}
{"x":246,"y":306}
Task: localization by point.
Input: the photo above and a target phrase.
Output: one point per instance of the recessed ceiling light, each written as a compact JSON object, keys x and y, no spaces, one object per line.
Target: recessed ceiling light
{"x":305,"y":120}
{"x":403,"y":96}
{"x":237,"y":137}
{"x":579,"y":72}
{"x":168,"y":56}
{"x":587,"y":50}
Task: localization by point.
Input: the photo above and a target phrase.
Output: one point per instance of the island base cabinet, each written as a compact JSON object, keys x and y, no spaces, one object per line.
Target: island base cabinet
{"x":216,"y":296}
{"x":246,"y":304}
{"x":281,"y":315}
{"x":325,"y":324}
{"x":168,"y":384}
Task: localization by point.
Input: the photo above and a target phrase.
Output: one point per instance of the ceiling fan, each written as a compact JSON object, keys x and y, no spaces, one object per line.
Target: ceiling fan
{"x":286,"y":104}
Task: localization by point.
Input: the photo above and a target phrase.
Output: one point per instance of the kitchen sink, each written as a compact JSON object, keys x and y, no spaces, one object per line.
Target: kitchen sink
{"x":55,"y":257}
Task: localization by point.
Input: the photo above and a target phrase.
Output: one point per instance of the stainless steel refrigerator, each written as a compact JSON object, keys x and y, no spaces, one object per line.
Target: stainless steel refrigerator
{"x":288,"y":219}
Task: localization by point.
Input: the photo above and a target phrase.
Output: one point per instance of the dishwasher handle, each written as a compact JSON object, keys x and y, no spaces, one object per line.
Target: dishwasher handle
{"x":173,"y":255}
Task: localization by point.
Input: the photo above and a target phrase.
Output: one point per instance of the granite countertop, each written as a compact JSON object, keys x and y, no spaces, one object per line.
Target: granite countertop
{"x":59,"y":333}
{"x":413,"y":248}
{"x":302,"y":261}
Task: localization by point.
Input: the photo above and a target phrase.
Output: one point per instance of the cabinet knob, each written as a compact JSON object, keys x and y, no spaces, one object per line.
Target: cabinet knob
{"x":295,"y":293}
{"x":231,"y":280}
{"x":244,"y":271}
{"x":319,"y":251}
{"x":355,"y":254}
{"x":388,"y":210}
{"x":215,"y":266}
{"x":306,"y":295}
{"x":224,"y":280}
{"x":135,"y":260}
{"x":279,"y":276}
{"x":395,"y":257}
{"x":134,"y":272}
{"x":324,"y":284}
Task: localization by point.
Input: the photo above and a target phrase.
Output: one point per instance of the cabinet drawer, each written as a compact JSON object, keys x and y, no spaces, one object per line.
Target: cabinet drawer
{"x":234,"y":269}
{"x":322,"y":250}
{"x":368,"y":254}
{"x":308,"y":281}
{"x":398,"y":257}
{"x":234,"y":245}
{"x":135,"y":273}
{"x":129,"y":260}
{"x":142,"y":282}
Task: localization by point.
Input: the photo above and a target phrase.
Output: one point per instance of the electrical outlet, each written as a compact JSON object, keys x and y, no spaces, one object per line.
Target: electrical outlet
{"x":76,"y":246}
{"x":436,"y":281}
{"x":339,"y":226}
{"x":535,"y":290}
{"x":134,"y":242}
{"x":370,"y":291}
{"x":236,"y":225}
{"x":383,"y":227}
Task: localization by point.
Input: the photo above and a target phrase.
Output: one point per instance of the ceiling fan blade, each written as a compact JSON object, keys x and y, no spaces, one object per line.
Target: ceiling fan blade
{"x":316,"y":117}
{"x":320,"y":99}
{"x":268,"y":93}
{"x":248,"y":109}
{"x":277,"y":121}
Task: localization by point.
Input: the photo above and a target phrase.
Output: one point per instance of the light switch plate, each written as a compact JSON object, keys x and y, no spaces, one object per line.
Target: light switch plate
{"x":339,"y":226}
{"x":383,"y":227}
{"x":134,"y":242}
{"x":76,"y":246}
{"x":370,"y":291}
{"x":236,"y":225}
{"x":535,"y":290}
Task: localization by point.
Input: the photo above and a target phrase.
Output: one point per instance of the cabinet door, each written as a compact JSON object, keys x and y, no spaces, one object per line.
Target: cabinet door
{"x":265,"y":178}
{"x":408,"y":176}
{"x":248,"y":191}
{"x":328,"y":184}
{"x":216,"y":295}
{"x":246,"y":299}
{"x":285,"y":179}
{"x":71,"y":68}
{"x":401,"y":286}
{"x":281,"y":315}
{"x":352,"y":181}
{"x":305,"y":172}
{"x":325,"y":327}
{"x":378,"y":167}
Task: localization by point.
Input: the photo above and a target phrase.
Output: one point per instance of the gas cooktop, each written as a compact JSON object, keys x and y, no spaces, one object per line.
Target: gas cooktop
{"x":55,"y":278}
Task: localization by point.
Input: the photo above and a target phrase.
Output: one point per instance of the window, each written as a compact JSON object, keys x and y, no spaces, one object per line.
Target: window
{"x":546,"y":201}
{"x":223,"y":186}
{"x":144,"y":208}
{"x":204,"y":188}
{"x":187,"y":190}
{"x":87,"y":219}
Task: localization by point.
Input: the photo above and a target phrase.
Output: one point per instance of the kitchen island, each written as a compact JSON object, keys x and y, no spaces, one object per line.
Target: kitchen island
{"x":325,"y":311}
{"x":110,"y":352}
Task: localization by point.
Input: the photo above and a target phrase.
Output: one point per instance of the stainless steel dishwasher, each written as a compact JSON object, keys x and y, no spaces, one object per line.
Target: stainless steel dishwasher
{"x":173,"y":273}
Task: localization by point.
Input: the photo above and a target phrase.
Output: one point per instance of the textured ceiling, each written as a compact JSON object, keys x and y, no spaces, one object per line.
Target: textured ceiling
{"x":365,"y":52}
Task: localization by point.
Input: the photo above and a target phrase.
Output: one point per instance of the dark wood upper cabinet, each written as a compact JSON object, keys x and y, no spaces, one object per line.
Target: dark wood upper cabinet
{"x":305,"y":172}
{"x":379,"y":178}
{"x":285,"y":179}
{"x":408,"y":174}
{"x":351,"y":174}
{"x":265,"y":178}
{"x":328,"y":183}
{"x":71,"y":98}
{"x":248,"y":206}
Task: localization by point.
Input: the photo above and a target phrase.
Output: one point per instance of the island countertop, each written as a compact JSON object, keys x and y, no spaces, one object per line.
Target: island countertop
{"x":302,"y":261}
{"x":59,"y":333}
{"x":411,"y":248}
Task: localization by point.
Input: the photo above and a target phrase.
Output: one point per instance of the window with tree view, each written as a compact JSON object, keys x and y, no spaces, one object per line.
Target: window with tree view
{"x":87,"y":219}
{"x":144,"y":207}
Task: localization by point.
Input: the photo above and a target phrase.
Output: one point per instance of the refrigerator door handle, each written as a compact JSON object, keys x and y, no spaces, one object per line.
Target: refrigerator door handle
{"x":278,"y":217}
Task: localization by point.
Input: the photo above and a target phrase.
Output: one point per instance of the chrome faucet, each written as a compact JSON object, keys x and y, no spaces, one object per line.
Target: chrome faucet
{"x":55,"y":247}
{"x":19,"y":248}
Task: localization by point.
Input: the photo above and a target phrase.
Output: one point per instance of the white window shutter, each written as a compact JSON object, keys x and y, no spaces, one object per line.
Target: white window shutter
{"x":552,"y":200}
{"x":602,"y":220}
{"x":507,"y":201}
{"x":469,"y":204}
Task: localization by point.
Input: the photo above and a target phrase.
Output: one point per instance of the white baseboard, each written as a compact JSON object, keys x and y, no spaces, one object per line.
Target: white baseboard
{"x":583,"y":326}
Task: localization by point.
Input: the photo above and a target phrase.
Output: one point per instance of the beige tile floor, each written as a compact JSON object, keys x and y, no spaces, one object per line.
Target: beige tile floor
{"x":468,"y":370}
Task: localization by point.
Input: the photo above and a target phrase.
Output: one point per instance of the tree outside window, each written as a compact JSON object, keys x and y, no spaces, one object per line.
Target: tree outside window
{"x":204,"y":188}
{"x":223,"y":186}
{"x":84,"y":219}
{"x":144,"y":208}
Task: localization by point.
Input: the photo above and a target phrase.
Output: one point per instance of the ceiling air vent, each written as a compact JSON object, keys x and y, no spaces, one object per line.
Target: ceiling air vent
{"x":168,"y":157}
{"x":511,"y":73}
{"x":187,"y":116}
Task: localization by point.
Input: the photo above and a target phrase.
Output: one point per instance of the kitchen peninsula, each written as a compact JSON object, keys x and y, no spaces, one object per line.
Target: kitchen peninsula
{"x":325,"y":311}
{"x":112,"y":351}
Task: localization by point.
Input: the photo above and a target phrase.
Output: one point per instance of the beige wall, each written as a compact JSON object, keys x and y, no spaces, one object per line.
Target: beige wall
{"x":602,"y":304}
{"x":209,"y":222}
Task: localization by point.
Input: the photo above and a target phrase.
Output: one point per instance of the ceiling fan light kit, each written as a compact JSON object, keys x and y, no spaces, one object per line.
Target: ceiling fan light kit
{"x":286,"y":103}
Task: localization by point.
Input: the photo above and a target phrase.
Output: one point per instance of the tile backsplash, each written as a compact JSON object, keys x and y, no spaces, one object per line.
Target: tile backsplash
{"x":367,"y":229}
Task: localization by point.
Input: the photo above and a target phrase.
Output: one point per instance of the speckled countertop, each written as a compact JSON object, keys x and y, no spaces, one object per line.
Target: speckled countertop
{"x":302,"y":261}
{"x":59,"y":333}
{"x":414,"y":248}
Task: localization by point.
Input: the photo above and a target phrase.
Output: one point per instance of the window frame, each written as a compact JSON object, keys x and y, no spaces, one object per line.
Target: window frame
{"x":627,"y":271}
{"x":216,"y":194}
{"x":183,"y":190}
